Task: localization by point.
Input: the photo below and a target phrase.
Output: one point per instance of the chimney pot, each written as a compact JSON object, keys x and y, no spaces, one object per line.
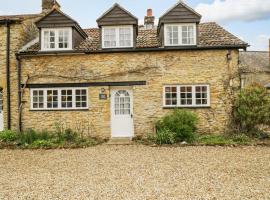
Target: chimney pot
{"x":149,"y":19}
{"x":149,"y":12}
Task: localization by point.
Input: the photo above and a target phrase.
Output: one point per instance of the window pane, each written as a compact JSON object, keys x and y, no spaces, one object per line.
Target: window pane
{"x":122,"y":103}
{"x":38,"y":99}
{"x":186,"y":95}
{"x":201,"y":95}
{"x":172,"y":35}
{"x":171,"y":96}
{"x":188,"y":35}
{"x":81,"y":98}
{"x":66,"y":98}
{"x":63,"y":38}
{"x":52,"y":98}
{"x":109,"y":37}
{"x":125,"y":37}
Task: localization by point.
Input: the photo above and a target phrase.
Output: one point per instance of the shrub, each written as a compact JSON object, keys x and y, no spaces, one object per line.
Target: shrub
{"x":70,"y":136}
{"x":28,"y":137}
{"x":213,"y":140}
{"x":42,"y":144}
{"x":241,"y":139}
{"x":181,"y":123}
{"x":165,"y":136}
{"x":45,"y":139}
{"x":252,"y":108}
{"x":8,"y":136}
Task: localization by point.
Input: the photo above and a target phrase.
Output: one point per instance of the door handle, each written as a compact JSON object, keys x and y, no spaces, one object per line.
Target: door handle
{"x":131,"y":115}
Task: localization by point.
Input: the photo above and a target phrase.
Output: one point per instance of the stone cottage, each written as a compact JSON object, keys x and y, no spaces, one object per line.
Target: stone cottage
{"x":118,"y":79}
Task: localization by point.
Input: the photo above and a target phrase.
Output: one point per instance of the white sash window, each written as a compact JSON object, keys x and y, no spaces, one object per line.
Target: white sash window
{"x":56,"y":39}
{"x":117,"y":37}
{"x":186,"y":96}
{"x":59,"y":99}
{"x":180,"y":34}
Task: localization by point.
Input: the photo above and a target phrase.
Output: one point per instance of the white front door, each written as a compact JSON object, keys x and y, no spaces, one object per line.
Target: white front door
{"x":122,"y":112}
{"x":1,"y":111}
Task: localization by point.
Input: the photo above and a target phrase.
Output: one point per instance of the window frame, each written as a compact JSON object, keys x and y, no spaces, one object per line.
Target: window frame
{"x":180,"y":37}
{"x":56,"y":42}
{"x":193,"y":105}
{"x":59,"y":97}
{"x":117,"y":38}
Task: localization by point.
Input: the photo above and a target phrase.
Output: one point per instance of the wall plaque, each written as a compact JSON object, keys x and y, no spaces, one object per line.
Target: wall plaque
{"x":103,"y":96}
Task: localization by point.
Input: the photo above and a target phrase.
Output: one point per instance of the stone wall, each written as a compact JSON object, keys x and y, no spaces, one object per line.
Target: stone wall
{"x":20,"y":34}
{"x":156,"y":68}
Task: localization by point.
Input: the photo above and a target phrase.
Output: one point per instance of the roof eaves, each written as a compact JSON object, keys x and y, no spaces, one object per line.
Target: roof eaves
{"x":9,"y":21}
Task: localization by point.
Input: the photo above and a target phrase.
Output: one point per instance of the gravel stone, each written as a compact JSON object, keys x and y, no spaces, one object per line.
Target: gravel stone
{"x":137,"y":172}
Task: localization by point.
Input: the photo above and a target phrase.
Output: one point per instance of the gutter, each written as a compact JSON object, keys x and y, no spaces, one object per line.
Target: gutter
{"x":157,"y":49}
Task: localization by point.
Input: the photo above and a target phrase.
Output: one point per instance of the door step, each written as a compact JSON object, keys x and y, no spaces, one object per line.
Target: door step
{"x":120,"y":141}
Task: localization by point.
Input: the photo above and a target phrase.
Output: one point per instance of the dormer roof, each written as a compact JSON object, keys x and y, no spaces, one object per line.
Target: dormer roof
{"x":180,"y":13}
{"x":56,"y":19}
{"x":117,"y":15}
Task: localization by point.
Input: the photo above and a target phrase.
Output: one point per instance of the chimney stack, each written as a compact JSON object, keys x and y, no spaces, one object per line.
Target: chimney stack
{"x":48,"y":5}
{"x":149,"y":20}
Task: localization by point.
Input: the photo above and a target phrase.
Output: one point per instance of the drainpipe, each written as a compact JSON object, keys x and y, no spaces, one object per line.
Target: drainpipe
{"x":19,"y":93}
{"x":7,"y":23}
{"x":8,"y":73}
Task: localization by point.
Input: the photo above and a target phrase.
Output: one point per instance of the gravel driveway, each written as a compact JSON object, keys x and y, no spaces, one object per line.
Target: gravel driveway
{"x":136,"y":172}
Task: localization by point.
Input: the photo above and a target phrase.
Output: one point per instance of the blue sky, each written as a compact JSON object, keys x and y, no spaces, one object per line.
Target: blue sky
{"x":247,"y":19}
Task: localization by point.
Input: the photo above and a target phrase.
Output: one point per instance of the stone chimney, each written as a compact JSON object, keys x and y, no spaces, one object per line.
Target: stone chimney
{"x":47,"y":5}
{"x":149,"y":19}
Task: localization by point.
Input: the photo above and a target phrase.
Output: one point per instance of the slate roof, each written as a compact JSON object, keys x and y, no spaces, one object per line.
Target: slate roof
{"x":210,"y":35}
{"x":254,"y":61}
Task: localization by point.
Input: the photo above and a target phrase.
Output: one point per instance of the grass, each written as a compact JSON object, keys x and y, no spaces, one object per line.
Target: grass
{"x":31,"y":139}
{"x":223,"y":140}
{"x":210,"y":140}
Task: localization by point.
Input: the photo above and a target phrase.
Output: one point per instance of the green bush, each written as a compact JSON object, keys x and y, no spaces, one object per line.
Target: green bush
{"x":8,"y":136}
{"x":165,"y":136}
{"x":57,"y":139}
{"x":69,"y":135}
{"x":180,"y":123}
{"x":241,"y":139}
{"x":252,"y":108}
{"x":28,"y":137}
{"x":42,"y":144}
{"x":214,"y":140}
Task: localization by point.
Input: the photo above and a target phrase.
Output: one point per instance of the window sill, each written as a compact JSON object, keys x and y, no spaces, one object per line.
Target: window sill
{"x":116,"y":48}
{"x":182,"y":45}
{"x":59,"y":110}
{"x":187,"y":107}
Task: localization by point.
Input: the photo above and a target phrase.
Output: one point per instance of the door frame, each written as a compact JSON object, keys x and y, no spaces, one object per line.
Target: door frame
{"x":114,"y":88}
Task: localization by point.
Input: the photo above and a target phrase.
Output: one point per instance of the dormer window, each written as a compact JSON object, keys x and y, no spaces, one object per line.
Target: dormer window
{"x":180,"y":34}
{"x":56,"y":39}
{"x":117,"y":37}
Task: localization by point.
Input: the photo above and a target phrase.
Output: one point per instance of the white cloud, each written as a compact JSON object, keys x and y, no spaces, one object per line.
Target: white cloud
{"x":227,"y":10}
{"x":261,"y":42}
